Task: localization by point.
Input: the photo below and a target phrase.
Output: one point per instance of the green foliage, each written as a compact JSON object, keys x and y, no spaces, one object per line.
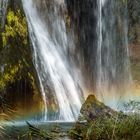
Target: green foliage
{"x":8,"y":76}
{"x":118,"y":127}
{"x":15,"y":53}
{"x":126,"y":128}
{"x":16,"y":26}
{"x":16,"y":59}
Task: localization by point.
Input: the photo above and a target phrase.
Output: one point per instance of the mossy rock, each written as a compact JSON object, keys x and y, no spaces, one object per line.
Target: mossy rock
{"x":92,"y":109}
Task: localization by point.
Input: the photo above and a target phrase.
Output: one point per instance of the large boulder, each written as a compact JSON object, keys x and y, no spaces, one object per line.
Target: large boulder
{"x":92,"y":111}
{"x":93,"y":108}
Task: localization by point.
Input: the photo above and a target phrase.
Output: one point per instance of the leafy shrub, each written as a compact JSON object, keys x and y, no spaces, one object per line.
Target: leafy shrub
{"x":16,"y":27}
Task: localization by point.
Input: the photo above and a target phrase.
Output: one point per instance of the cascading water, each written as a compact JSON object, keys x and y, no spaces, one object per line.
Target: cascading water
{"x":59,"y":86}
{"x":112,"y":60}
{"x":61,"y":93}
{"x":3,"y":10}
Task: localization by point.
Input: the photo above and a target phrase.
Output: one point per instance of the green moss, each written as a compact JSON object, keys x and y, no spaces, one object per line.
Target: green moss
{"x":15,"y":53}
{"x":8,"y":76}
{"x":16,"y":26}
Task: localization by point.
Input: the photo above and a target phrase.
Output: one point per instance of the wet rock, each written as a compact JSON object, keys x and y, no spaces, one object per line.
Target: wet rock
{"x":92,"y":109}
{"x":134,"y":21}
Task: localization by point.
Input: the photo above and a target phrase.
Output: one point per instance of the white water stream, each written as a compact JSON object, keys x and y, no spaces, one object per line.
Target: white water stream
{"x":112,"y":61}
{"x":50,"y":59}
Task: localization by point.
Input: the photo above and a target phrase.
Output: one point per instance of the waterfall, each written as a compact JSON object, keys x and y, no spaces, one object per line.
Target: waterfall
{"x":60,"y":90}
{"x":3,"y":10}
{"x":113,"y":74}
{"x":59,"y":80}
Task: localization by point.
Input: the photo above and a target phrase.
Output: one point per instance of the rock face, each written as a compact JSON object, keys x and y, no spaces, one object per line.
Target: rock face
{"x":134,"y":21}
{"x":18,"y":80}
{"x":92,"y":109}
{"x":84,"y":22}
